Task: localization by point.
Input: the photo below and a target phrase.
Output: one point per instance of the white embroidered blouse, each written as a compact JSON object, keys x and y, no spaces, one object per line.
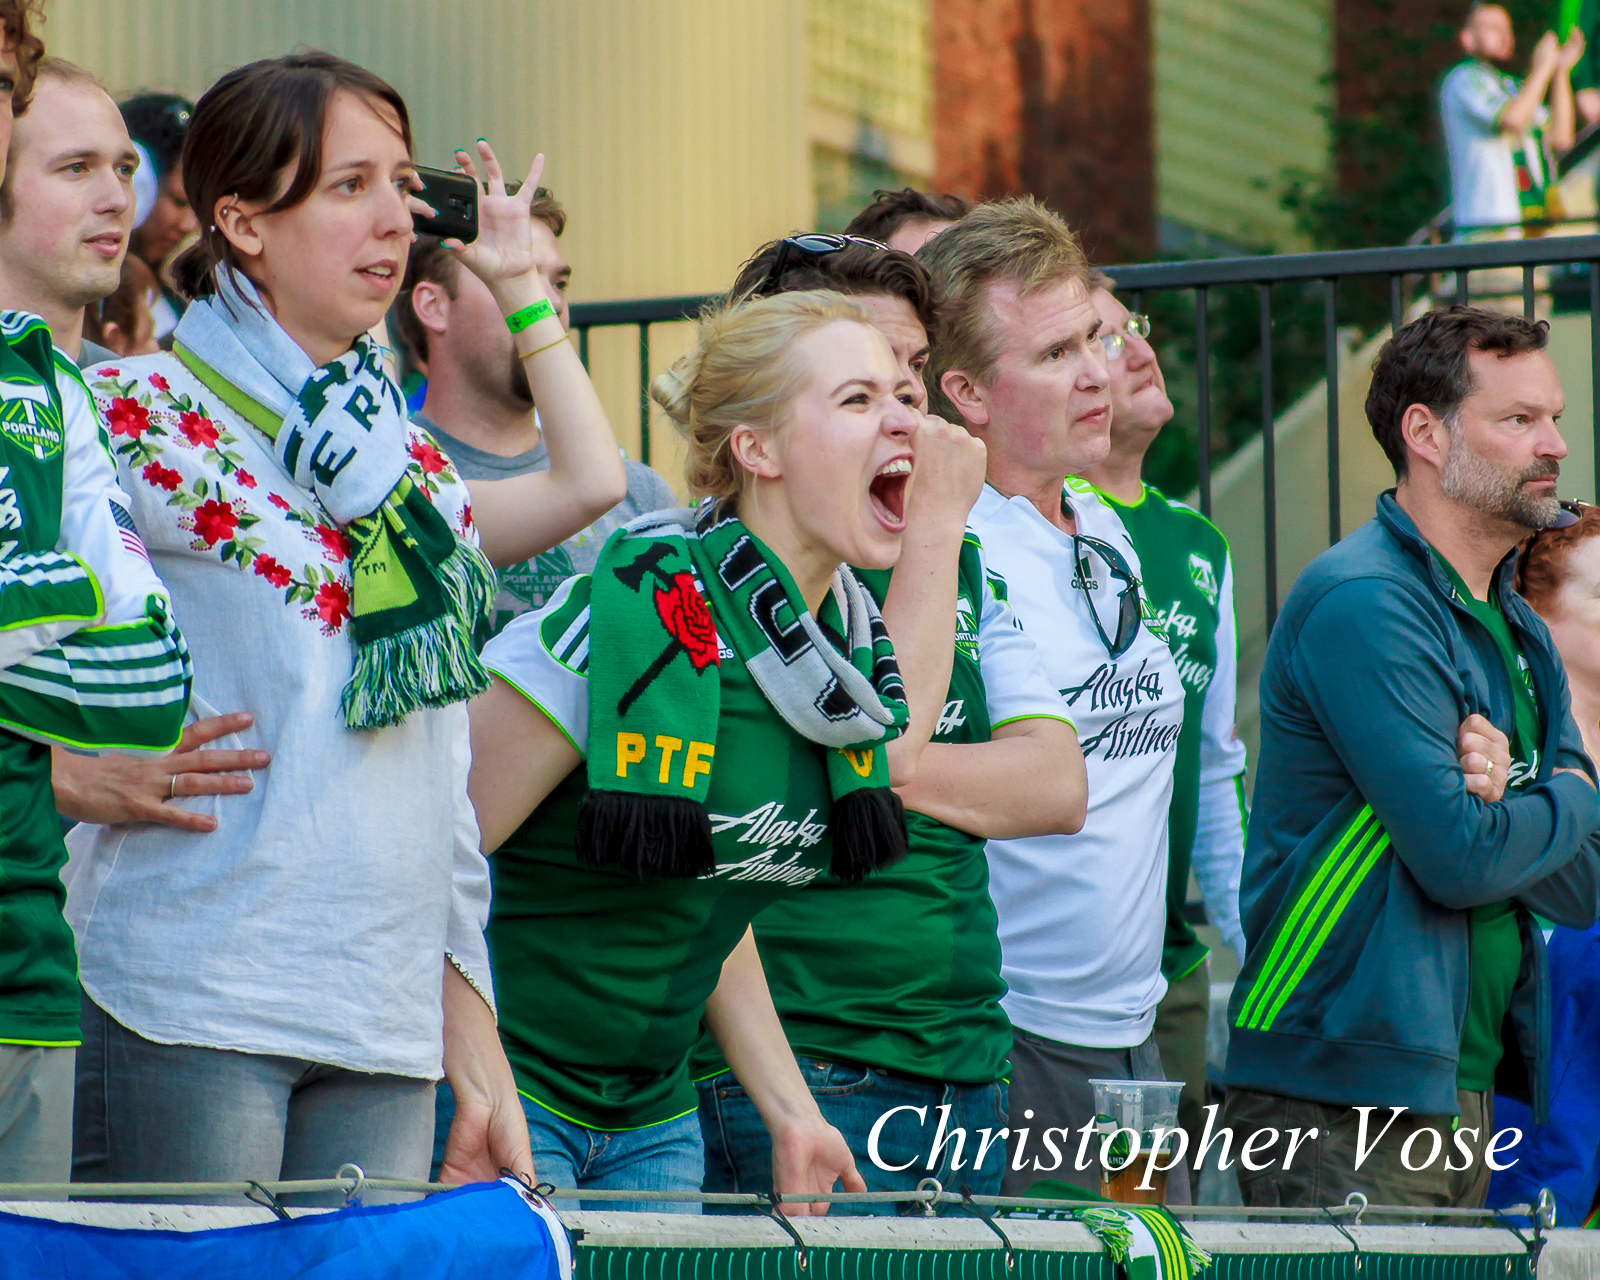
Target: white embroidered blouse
{"x":314,"y":922}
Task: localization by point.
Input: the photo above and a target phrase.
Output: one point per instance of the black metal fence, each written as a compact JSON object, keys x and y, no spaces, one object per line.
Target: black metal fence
{"x":1409,"y":271}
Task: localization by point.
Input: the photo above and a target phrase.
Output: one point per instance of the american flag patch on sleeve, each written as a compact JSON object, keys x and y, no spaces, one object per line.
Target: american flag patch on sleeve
{"x":126,"y":530}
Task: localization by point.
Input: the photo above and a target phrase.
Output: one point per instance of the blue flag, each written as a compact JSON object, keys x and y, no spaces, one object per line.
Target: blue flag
{"x":488,"y":1229}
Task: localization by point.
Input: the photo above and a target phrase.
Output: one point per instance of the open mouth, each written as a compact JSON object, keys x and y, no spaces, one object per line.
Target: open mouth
{"x":888,"y":493}
{"x":380,"y":273}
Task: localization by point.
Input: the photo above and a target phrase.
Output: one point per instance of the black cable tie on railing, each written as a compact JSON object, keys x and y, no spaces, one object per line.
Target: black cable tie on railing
{"x":270,"y":1201}
{"x":1535,"y":1246}
{"x":988,"y":1221}
{"x":1339,"y":1227}
{"x":802,"y":1255}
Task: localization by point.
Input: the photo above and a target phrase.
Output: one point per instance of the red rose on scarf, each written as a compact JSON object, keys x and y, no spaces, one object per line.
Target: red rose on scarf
{"x":281,"y":503}
{"x":335,"y":546}
{"x":161,"y":477}
{"x":277,"y":574}
{"x":215,"y":521}
{"x":197,"y":428}
{"x":156,"y":380}
{"x":244,"y":478}
{"x":685,"y":616}
{"x":333,"y":605}
{"x":127,"y":417}
{"x":428,"y":458}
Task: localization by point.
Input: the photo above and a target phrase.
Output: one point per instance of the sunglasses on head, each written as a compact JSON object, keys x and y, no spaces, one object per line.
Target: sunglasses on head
{"x":807,"y":247}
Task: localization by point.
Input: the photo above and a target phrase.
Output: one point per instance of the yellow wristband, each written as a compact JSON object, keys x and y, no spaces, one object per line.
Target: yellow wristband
{"x":528,"y":355}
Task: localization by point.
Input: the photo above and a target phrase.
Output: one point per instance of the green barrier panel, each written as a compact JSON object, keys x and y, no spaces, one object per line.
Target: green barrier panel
{"x":641,"y":1263}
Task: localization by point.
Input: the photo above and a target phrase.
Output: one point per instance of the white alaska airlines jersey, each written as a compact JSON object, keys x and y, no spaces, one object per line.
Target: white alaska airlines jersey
{"x":1082,"y":917}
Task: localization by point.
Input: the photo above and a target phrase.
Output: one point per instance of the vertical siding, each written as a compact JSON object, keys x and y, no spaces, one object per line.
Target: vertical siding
{"x":674,"y":128}
{"x":1241,"y":91}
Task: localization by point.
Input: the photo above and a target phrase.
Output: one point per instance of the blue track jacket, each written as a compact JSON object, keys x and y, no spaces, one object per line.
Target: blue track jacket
{"x":1365,"y":850}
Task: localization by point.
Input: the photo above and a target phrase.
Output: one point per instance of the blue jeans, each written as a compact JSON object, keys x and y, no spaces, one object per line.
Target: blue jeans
{"x":658,"y":1157}
{"x":854,"y":1098}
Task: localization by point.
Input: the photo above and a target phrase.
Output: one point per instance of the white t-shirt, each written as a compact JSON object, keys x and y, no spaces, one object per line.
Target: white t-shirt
{"x":1082,"y":917}
{"x":1483,"y":171}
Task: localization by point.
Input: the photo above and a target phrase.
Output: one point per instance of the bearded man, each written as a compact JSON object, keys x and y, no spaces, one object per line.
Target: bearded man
{"x":1423,"y":794}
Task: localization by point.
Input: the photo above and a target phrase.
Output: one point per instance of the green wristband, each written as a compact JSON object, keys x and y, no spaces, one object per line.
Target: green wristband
{"x":517,"y":321}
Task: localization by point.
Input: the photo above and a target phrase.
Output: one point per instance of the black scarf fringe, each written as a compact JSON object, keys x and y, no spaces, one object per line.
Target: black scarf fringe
{"x":668,"y":837}
{"x":869,"y":833}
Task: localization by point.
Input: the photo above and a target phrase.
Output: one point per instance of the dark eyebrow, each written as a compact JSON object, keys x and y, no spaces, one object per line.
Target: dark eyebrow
{"x":923,"y":353}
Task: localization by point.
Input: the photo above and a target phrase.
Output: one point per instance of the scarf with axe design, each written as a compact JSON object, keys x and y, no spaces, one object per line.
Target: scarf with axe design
{"x":668,"y":592}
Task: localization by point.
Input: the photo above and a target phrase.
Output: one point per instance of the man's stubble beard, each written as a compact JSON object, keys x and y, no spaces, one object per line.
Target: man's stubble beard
{"x":1474,"y":481}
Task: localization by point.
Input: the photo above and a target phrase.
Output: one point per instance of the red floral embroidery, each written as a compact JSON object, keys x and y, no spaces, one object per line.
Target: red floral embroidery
{"x":686,"y":618}
{"x":333,"y":605}
{"x":277,"y":574}
{"x":281,"y":503}
{"x":246,"y":479}
{"x":127,"y":417}
{"x":197,"y":429}
{"x":335,"y":546}
{"x":110,"y":373}
{"x":466,"y":516}
{"x":428,"y":458}
{"x":161,"y":477}
{"x":215,"y":521}
{"x":156,"y":380}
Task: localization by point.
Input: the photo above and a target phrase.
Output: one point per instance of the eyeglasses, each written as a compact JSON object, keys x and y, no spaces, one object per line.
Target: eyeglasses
{"x":806,"y":247}
{"x":1097,"y":563}
{"x":1138,"y":326}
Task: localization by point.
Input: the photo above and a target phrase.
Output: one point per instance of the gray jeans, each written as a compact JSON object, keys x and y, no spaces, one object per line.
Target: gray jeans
{"x":149,"y":1112}
{"x":1050,"y":1089}
{"x":35,"y":1113}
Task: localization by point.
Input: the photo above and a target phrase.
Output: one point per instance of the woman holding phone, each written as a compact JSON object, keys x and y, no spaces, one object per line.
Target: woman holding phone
{"x":264,"y":1001}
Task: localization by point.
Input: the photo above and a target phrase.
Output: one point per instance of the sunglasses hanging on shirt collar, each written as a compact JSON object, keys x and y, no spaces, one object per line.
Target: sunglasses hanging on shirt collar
{"x":1096,"y":566}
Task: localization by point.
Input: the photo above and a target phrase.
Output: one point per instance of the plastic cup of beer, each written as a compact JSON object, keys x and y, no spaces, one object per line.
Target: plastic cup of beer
{"x":1149,"y":1109}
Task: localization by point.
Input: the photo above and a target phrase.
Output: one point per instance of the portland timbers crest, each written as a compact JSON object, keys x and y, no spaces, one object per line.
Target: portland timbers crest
{"x":30,"y":418}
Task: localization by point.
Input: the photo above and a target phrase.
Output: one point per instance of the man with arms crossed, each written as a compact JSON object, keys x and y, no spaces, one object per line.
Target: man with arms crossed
{"x":1081,"y":916}
{"x":1394,"y":955}
{"x":1188,"y":581}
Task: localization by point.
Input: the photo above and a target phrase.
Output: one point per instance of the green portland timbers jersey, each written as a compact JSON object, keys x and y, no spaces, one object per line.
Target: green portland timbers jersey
{"x":38,"y":961}
{"x":1183,"y":558}
{"x":902,"y":971}
{"x":601,"y":978}
{"x":1496,"y":949}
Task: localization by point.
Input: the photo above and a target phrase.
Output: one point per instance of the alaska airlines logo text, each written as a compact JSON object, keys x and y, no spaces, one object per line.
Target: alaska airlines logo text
{"x":1108,"y":690}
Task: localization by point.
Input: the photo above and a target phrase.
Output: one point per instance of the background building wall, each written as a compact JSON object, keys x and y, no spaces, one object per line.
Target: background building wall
{"x":1242,"y":93}
{"x":1052,"y":98}
{"x":674,"y":129}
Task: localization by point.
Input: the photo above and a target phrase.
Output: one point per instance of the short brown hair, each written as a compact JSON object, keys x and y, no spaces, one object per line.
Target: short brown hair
{"x":1542,"y":570}
{"x":1019,"y":241}
{"x":891,"y":210}
{"x":19,"y":17}
{"x":1425,"y":363}
{"x":248,"y":127}
{"x":742,"y":371}
{"x":859,"y":270}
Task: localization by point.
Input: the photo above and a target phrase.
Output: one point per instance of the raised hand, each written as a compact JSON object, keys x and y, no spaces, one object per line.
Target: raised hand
{"x":503,"y":251}
{"x":948,"y":472}
{"x":1571,"y":52}
{"x":1546,"y":54}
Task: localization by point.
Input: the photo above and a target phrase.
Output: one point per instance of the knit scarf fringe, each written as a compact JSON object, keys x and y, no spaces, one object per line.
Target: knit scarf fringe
{"x":433,"y":664}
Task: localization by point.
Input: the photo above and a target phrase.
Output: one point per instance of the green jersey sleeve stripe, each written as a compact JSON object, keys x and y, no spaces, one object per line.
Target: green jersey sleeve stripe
{"x":546,"y":713}
{"x":1066,"y":720}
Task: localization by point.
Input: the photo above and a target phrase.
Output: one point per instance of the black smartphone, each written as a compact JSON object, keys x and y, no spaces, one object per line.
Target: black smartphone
{"x":454,"y":197}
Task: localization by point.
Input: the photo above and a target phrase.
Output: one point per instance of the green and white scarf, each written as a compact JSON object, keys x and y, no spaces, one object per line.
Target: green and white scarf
{"x":1144,"y":1238}
{"x":669,"y":591}
{"x":420,"y":596}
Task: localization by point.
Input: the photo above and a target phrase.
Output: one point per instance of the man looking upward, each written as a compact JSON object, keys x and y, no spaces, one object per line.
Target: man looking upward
{"x":1188,"y":582}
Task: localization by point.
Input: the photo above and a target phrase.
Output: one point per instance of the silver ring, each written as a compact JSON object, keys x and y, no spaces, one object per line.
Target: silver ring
{"x":172,"y":788}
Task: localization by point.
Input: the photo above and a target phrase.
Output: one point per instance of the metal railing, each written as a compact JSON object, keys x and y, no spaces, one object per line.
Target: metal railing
{"x":1413,"y":269}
